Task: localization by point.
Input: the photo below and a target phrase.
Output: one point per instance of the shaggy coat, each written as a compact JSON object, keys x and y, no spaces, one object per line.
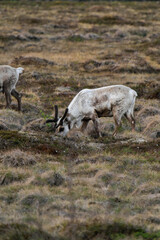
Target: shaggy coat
{"x":91,"y":104}
{"x":8,"y":79}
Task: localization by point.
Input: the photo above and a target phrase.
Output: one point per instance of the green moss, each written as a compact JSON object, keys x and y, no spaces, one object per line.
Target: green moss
{"x":147,"y":236}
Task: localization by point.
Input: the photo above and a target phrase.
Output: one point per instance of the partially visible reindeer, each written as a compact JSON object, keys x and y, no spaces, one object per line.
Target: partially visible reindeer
{"x":8,"y":79}
{"x":91,"y":104}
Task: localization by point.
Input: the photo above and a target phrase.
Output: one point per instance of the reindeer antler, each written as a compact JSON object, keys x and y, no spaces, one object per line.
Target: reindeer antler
{"x":62,"y":118}
{"x":56,"y":116}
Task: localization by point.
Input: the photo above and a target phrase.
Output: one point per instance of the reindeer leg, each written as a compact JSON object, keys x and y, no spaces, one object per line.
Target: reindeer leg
{"x":84,"y":125}
{"x":96,"y":125}
{"x":131,"y":120}
{"x":7,"y":96}
{"x":117,"y":124}
{"x":18,"y":96}
{"x":117,"y":118}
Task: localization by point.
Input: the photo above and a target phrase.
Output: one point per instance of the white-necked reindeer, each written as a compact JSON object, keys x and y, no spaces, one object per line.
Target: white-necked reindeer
{"x":8,"y":79}
{"x":91,"y":104}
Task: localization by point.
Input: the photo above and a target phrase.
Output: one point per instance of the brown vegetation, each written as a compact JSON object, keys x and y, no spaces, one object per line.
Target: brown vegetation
{"x":80,"y":187}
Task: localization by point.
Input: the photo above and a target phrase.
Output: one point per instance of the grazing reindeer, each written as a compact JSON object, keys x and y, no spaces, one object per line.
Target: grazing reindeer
{"x":8,"y":79}
{"x":91,"y":104}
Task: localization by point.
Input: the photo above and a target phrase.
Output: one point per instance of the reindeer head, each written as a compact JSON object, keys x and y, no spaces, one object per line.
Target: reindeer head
{"x":20,"y":70}
{"x":61,"y":124}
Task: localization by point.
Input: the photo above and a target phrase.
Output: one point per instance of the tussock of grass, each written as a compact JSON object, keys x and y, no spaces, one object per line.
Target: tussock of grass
{"x":18,"y":158}
{"x":9,"y":177}
{"x":61,"y":184}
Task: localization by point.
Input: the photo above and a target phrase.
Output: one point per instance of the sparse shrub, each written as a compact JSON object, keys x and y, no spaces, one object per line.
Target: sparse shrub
{"x":18,"y":158}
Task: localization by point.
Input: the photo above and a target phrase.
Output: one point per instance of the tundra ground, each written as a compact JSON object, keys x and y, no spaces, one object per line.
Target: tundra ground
{"x":80,"y":187}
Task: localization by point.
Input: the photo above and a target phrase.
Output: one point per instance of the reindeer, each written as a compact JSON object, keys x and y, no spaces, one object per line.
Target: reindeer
{"x":8,"y":79}
{"x":91,"y":104}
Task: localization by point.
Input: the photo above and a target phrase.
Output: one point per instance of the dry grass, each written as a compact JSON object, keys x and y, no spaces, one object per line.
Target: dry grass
{"x":80,"y":187}
{"x":18,"y":158}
